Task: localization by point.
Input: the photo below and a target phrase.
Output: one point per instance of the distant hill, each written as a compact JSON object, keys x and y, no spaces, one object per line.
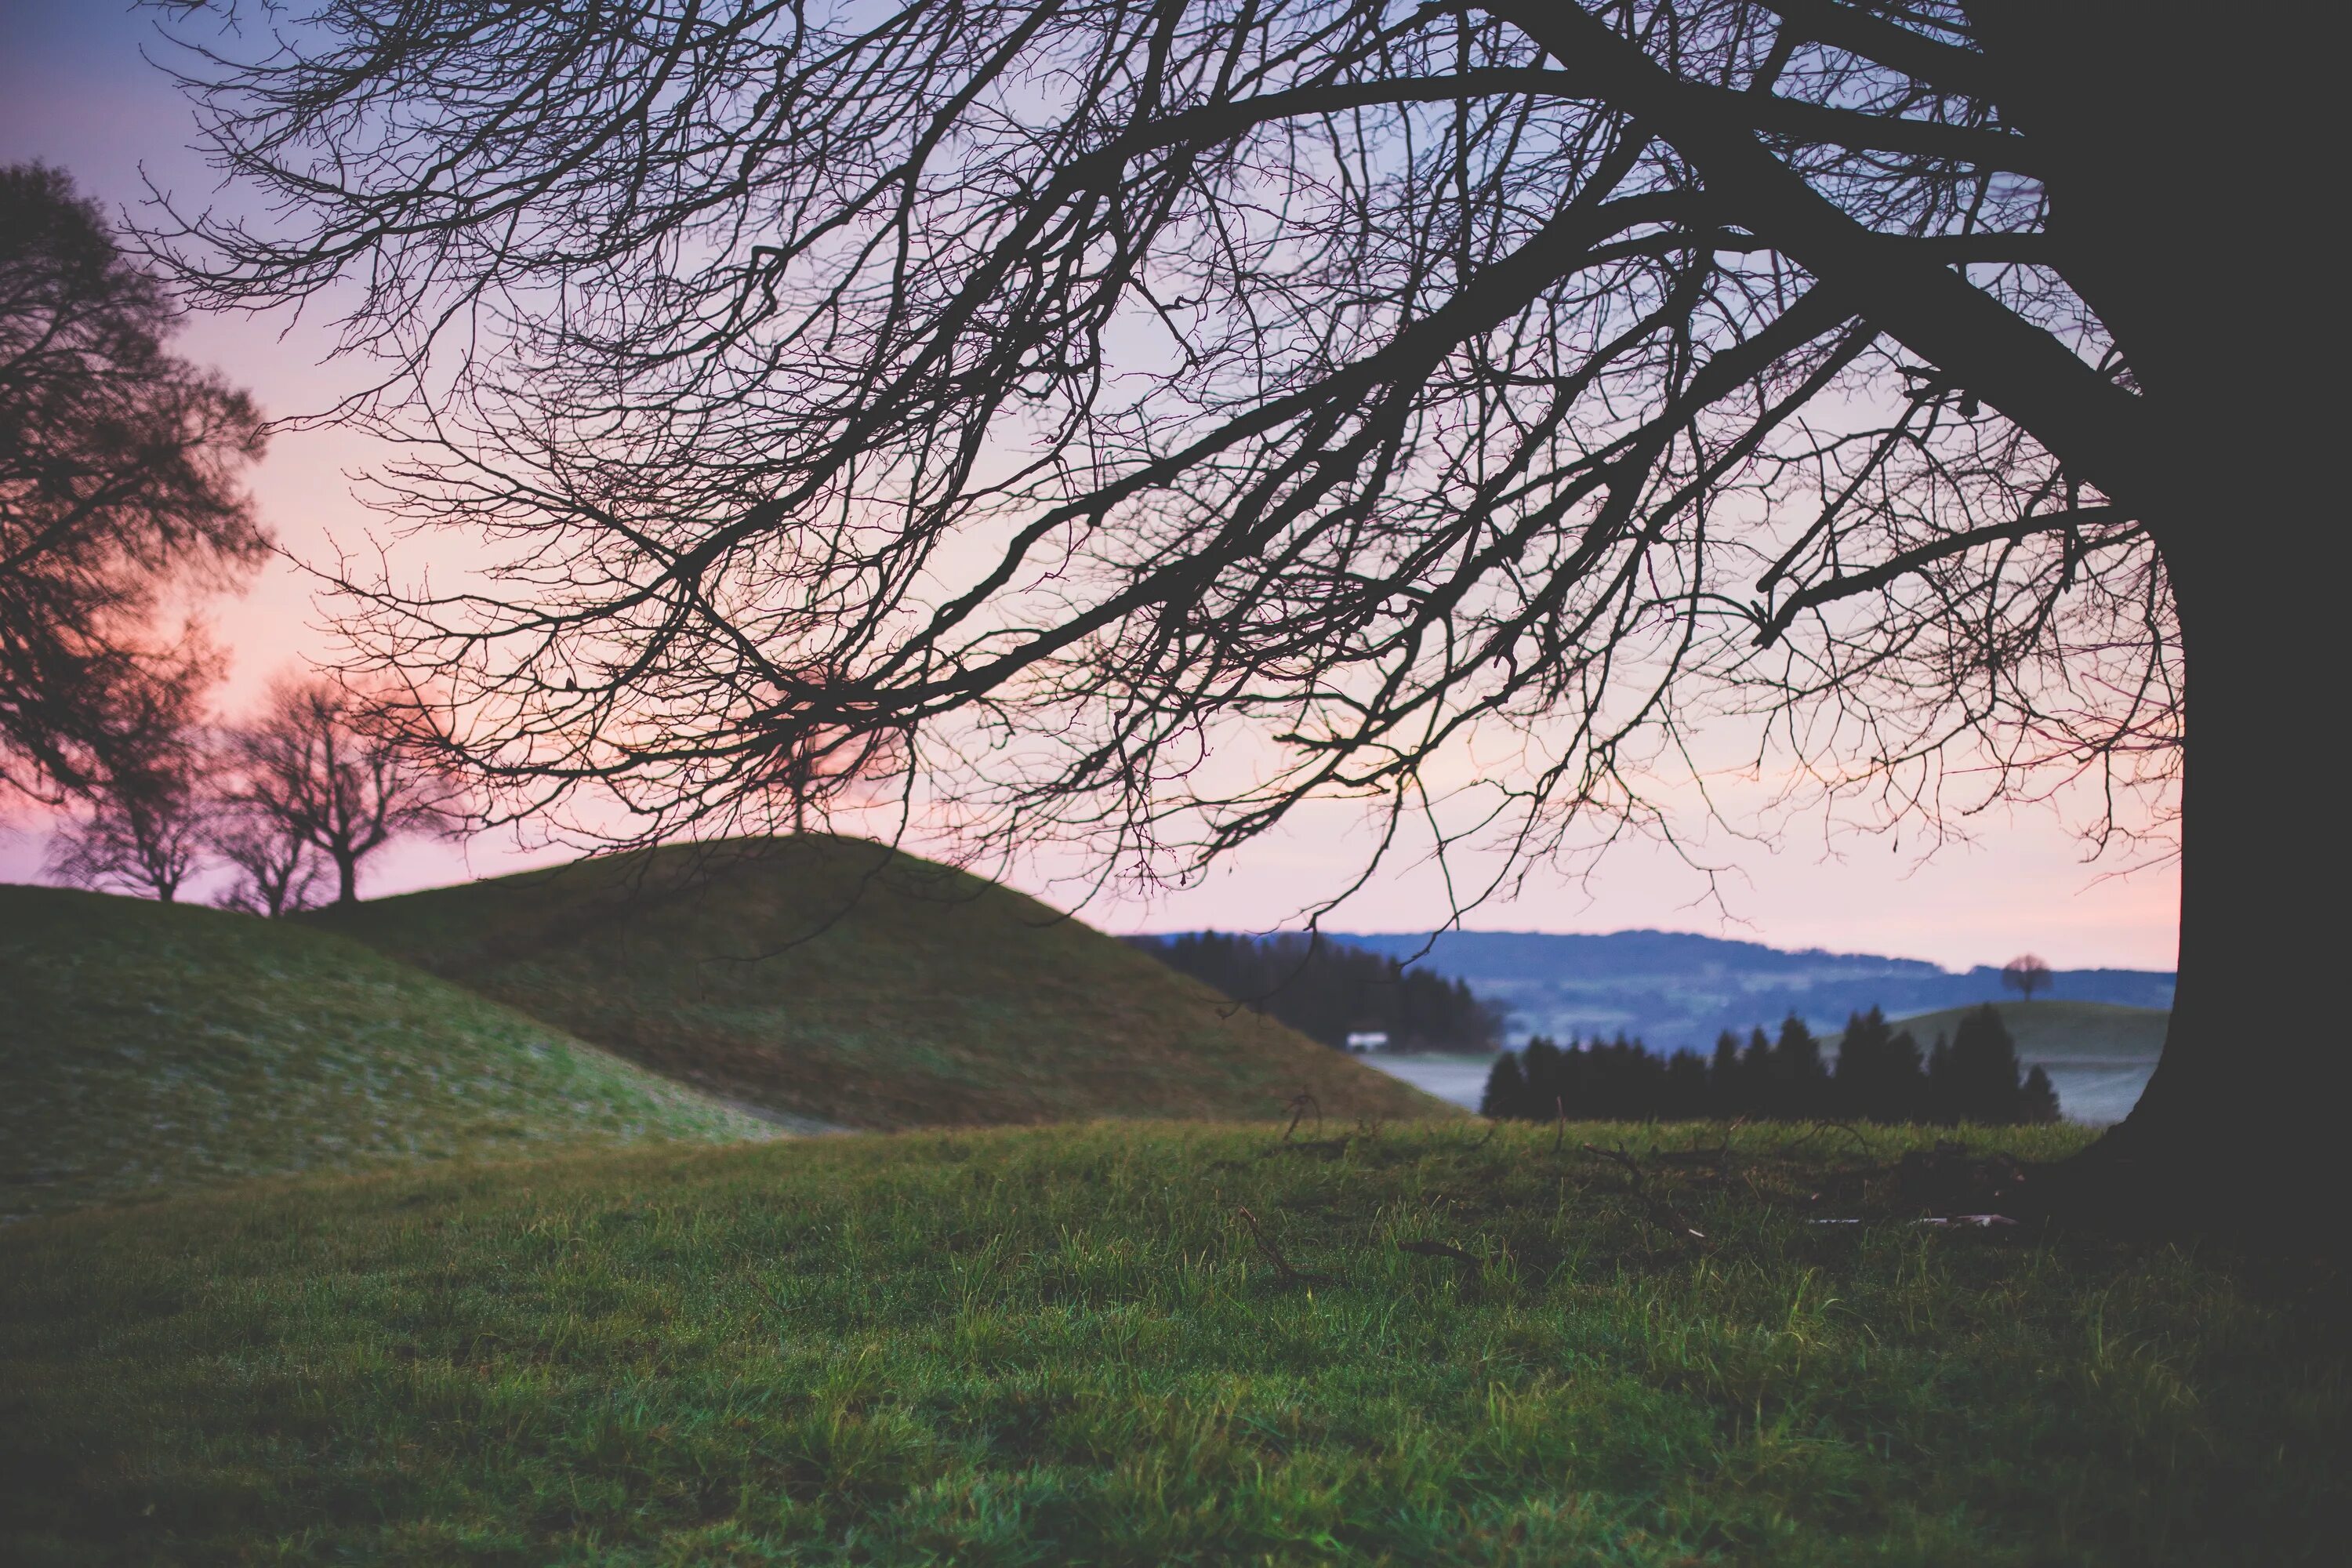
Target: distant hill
{"x":1676,"y":989}
{"x":833,"y":978}
{"x":2051,"y":1031}
{"x":149,"y":1048}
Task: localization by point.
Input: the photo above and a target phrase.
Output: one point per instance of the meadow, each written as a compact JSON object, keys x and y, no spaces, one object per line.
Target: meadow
{"x":1159,"y":1343}
{"x":148,"y":1049}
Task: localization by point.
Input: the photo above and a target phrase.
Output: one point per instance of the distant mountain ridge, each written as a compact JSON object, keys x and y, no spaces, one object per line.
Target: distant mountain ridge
{"x":1680,"y":989}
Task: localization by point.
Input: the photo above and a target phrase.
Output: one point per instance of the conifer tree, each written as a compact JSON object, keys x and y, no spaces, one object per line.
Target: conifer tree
{"x":1878,"y":1070}
{"x":1723,"y":1094}
{"x":1939,"y":1080}
{"x":2038,"y":1100}
{"x":1506,"y":1089}
{"x":1983,"y":1070}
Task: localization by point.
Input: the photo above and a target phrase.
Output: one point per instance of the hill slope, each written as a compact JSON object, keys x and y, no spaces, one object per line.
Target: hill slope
{"x":2061,"y":1031}
{"x":833,"y":978}
{"x":147,"y":1047}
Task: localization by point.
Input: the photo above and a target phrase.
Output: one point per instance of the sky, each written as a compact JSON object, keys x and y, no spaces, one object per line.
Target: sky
{"x":76,"y":92}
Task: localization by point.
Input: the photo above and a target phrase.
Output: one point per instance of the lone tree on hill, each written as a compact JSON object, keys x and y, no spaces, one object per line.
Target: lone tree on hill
{"x":324,"y":769}
{"x":119,"y":467}
{"x":2025,"y":975}
{"x":145,"y":829}
{"x":1086,"y":387}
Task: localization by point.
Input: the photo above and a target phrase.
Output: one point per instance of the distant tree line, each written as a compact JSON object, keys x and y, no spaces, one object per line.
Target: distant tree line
{"x":121,"y":501}
{"x":292,"y":800}
{"x":1881,"y":1075}
{"x":1328,"y":991}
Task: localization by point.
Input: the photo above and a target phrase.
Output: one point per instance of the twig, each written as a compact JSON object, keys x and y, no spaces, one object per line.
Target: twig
{"x":1822,"y":1126}
{"x":1329,"y":1147}
{"x":753,"y":1279}
{"x":1300,"y":1103}
{"x":1440,"y":1249}
{"x":1660,"y":1213}
{"x":1282,"y":1265}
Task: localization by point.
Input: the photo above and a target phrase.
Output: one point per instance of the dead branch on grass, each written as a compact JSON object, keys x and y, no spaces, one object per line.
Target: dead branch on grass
{"x":1660,"y":1213}
{"x":1273,"y":1255}
{"x":1441,"y":1249}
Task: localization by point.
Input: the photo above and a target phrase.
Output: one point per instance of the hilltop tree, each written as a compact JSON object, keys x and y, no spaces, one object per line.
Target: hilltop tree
{"x":1086,"y":388}
{"x":119,"y":466}
{"x":2025,"y":975}
{"x":325,"y":769}
{"x":145,"y":830}
{"x":277,"y":870}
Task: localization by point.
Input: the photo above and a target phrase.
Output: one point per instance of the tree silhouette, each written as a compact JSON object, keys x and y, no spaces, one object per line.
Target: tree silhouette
{"x":145,"y":829}
{"x":118,"y":487}
{"x":1086,"y":389}
{"x":1878,"y":1078}
{"x":1329,"y":990}
{"x":2025,"y":975}
{"x":1880,"y":1075}
{"x":326,"y":767}
{"x":1980,"y":1080}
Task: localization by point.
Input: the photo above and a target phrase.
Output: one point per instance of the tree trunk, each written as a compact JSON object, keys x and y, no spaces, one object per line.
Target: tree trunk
{"x":2188,"y":177}
{"x":347,"y":878}
{"x":2236,"y":1111}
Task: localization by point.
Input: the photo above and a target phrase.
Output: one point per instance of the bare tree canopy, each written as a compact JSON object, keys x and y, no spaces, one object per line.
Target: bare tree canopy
{"x":146,"y":829}
{"x":1422,"y":394}
{"x":119,"y":468}
{"x":324,"y":768}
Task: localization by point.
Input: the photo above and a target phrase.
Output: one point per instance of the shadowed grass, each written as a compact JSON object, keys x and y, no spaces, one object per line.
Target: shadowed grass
{"x":833,"y":978}
{"x":1061,"y":1346}
{"x":145,"y":1048}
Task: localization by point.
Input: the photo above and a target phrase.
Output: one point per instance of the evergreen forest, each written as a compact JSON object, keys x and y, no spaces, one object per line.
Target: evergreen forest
{"x":1880,"y":1074}
{"x":1327,"y":991}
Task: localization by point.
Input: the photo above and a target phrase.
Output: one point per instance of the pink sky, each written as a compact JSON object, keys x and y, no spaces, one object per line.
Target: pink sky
{"x":74,"y":92}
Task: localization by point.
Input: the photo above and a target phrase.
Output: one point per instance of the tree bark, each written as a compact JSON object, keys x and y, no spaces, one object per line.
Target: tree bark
{"x":2186,"y":188}
{"x":347,"y":878}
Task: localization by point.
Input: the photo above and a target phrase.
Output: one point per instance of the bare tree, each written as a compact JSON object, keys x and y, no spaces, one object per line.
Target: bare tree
{"x":325,"y":768}
{"x":277,"y":871}
{"x":118,"y":486}
{"x":1096,"y":391}
{"x":2025,"y":975}
{"x":145,"y":830}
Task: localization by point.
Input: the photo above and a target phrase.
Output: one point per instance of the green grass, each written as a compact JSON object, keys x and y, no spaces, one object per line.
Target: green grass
{"x":145,"y":1048}
{"x":830,"y":978}
{"x":1063,"y":1346}
{"x":2055,"y":1029}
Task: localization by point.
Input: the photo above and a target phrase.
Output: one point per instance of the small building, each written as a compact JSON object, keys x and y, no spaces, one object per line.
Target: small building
{"x":1368,"y":1039}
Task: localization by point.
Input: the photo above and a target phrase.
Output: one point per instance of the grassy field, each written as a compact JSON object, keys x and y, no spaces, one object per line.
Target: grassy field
{"x":2055,"y":1029}
{"x":145,"y":1048}
{"x":1068,"y":1345}
{"x":832,"y":979}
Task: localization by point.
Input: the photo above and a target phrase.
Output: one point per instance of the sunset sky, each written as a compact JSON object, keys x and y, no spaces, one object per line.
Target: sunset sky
{"x":74,"y":92}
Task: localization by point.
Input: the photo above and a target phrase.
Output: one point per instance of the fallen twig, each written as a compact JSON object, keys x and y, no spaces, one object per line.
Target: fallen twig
{"x":1825,"y":1125}
{"x":1282,"y":1265}
{"x":1329,"y":1147}
{"x":1439,"y":1249}
{"x":1660,"y":1213}
{"x":1300,"y":1104}
{"x":753,"y":1279}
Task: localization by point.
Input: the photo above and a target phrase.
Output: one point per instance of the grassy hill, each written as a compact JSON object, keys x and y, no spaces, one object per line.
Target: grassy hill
{"x":835,"y":979}
{"x":2056,"y":1030}
{"x":1066,"y":1345}
{"x":147,"y":1047}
